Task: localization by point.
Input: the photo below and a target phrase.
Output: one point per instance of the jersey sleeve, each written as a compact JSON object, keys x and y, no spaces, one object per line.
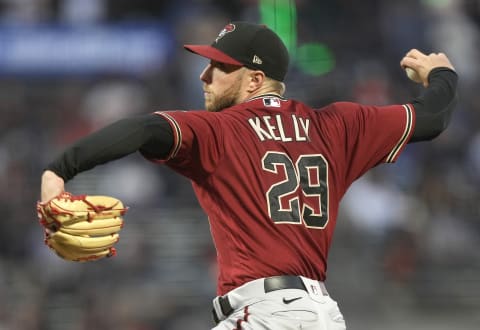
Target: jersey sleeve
{"x":198,"y":142}
{"x":370,"y":135}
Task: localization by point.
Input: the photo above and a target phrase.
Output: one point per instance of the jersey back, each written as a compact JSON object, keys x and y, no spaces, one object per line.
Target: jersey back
{"x":270,"y":174}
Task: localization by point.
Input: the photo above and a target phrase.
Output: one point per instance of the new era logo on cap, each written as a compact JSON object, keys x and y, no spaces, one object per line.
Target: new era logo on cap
{"x":254,"y":46}
{"x":256,"y":59}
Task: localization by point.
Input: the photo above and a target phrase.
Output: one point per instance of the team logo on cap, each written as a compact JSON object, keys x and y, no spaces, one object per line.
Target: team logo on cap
{"x":227,"y":29}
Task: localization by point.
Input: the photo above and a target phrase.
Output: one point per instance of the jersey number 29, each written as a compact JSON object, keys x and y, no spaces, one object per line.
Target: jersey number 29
{"x":309,"y":177}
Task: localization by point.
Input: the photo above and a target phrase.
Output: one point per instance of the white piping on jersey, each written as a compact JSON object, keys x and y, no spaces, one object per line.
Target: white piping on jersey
{"x":177,"y":133}
{"x":408,"y":128}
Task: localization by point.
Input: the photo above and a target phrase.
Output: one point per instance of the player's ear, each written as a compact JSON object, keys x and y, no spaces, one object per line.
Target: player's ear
{"x":256,"y":78}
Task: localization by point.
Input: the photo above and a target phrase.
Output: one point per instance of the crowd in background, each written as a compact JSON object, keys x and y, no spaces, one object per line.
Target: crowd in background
{"x":408,"y":236}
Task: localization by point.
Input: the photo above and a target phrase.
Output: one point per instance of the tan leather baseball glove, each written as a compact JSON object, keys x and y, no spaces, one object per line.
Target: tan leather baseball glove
{"x":81,"y":227}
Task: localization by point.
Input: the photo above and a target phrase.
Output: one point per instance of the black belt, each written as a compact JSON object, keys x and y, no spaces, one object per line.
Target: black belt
{"x":270,"y":284}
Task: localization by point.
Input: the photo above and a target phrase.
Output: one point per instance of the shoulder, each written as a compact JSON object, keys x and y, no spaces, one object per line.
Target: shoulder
{"x":355,"y":110}
{"x":341,"y":107}
{"x":337,"y":111}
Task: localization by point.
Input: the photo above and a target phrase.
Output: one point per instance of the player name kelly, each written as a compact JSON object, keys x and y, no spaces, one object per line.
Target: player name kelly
{"x":273,"y":128}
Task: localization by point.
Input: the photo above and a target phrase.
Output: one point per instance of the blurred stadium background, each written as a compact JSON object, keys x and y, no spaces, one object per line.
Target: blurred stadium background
{"x":407,"y":248}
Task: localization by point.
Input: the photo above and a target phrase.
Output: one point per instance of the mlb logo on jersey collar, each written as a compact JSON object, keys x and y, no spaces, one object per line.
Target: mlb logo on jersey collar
{"x":271,"y":102}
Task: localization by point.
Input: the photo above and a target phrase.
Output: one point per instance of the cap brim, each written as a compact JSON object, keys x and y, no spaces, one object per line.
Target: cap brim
{"x":212,"y":53}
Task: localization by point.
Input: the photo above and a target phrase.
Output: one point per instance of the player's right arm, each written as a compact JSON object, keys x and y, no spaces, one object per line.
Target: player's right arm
{"x":151,"y":134}
{"x":434,"y":106}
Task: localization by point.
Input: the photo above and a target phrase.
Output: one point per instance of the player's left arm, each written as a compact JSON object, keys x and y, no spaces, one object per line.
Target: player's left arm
{"x":434,"y":106}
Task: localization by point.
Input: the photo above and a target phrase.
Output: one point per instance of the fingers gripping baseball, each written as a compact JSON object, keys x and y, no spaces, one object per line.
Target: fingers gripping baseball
{"x":81,"y":228}
{"x":418,"y":65}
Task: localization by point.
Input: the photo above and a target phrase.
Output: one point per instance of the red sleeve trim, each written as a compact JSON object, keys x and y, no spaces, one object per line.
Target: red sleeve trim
{"x":392,"y":156}
{"x":177,"y":134}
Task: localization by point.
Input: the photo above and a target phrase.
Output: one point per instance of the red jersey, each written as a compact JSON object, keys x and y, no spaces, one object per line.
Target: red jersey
{"x":270,"y":174}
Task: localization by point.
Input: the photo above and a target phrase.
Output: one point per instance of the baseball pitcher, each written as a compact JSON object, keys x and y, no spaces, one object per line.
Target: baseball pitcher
{"x":267,"y":170}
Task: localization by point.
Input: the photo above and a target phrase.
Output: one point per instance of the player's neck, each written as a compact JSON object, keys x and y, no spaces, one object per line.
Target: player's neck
{"x":268,"y":90}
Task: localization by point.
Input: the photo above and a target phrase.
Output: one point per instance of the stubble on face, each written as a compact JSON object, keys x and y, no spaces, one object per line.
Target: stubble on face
{"x":227,"y":98}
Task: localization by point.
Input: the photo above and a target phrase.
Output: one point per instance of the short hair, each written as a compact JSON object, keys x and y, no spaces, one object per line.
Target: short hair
{"x":276,"y":85}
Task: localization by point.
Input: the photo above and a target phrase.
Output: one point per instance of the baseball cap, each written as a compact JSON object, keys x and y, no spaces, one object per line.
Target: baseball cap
{"x":254,"y":46}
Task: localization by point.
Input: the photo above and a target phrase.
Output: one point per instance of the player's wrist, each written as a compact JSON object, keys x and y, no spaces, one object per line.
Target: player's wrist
{"x":52,"y":186}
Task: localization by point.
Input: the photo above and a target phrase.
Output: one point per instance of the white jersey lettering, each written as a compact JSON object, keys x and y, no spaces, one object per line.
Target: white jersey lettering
{"x":268,"y":128}
{"x":271,"y":128}
{"x":261,"y":133}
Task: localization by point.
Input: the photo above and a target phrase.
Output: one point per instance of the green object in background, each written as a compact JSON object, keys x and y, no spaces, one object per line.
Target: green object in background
{"x":315,"y":58}
{"x":281,"y":16}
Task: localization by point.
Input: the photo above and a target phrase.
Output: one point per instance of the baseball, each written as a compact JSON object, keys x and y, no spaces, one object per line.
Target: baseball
{"x":413,"y":75}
